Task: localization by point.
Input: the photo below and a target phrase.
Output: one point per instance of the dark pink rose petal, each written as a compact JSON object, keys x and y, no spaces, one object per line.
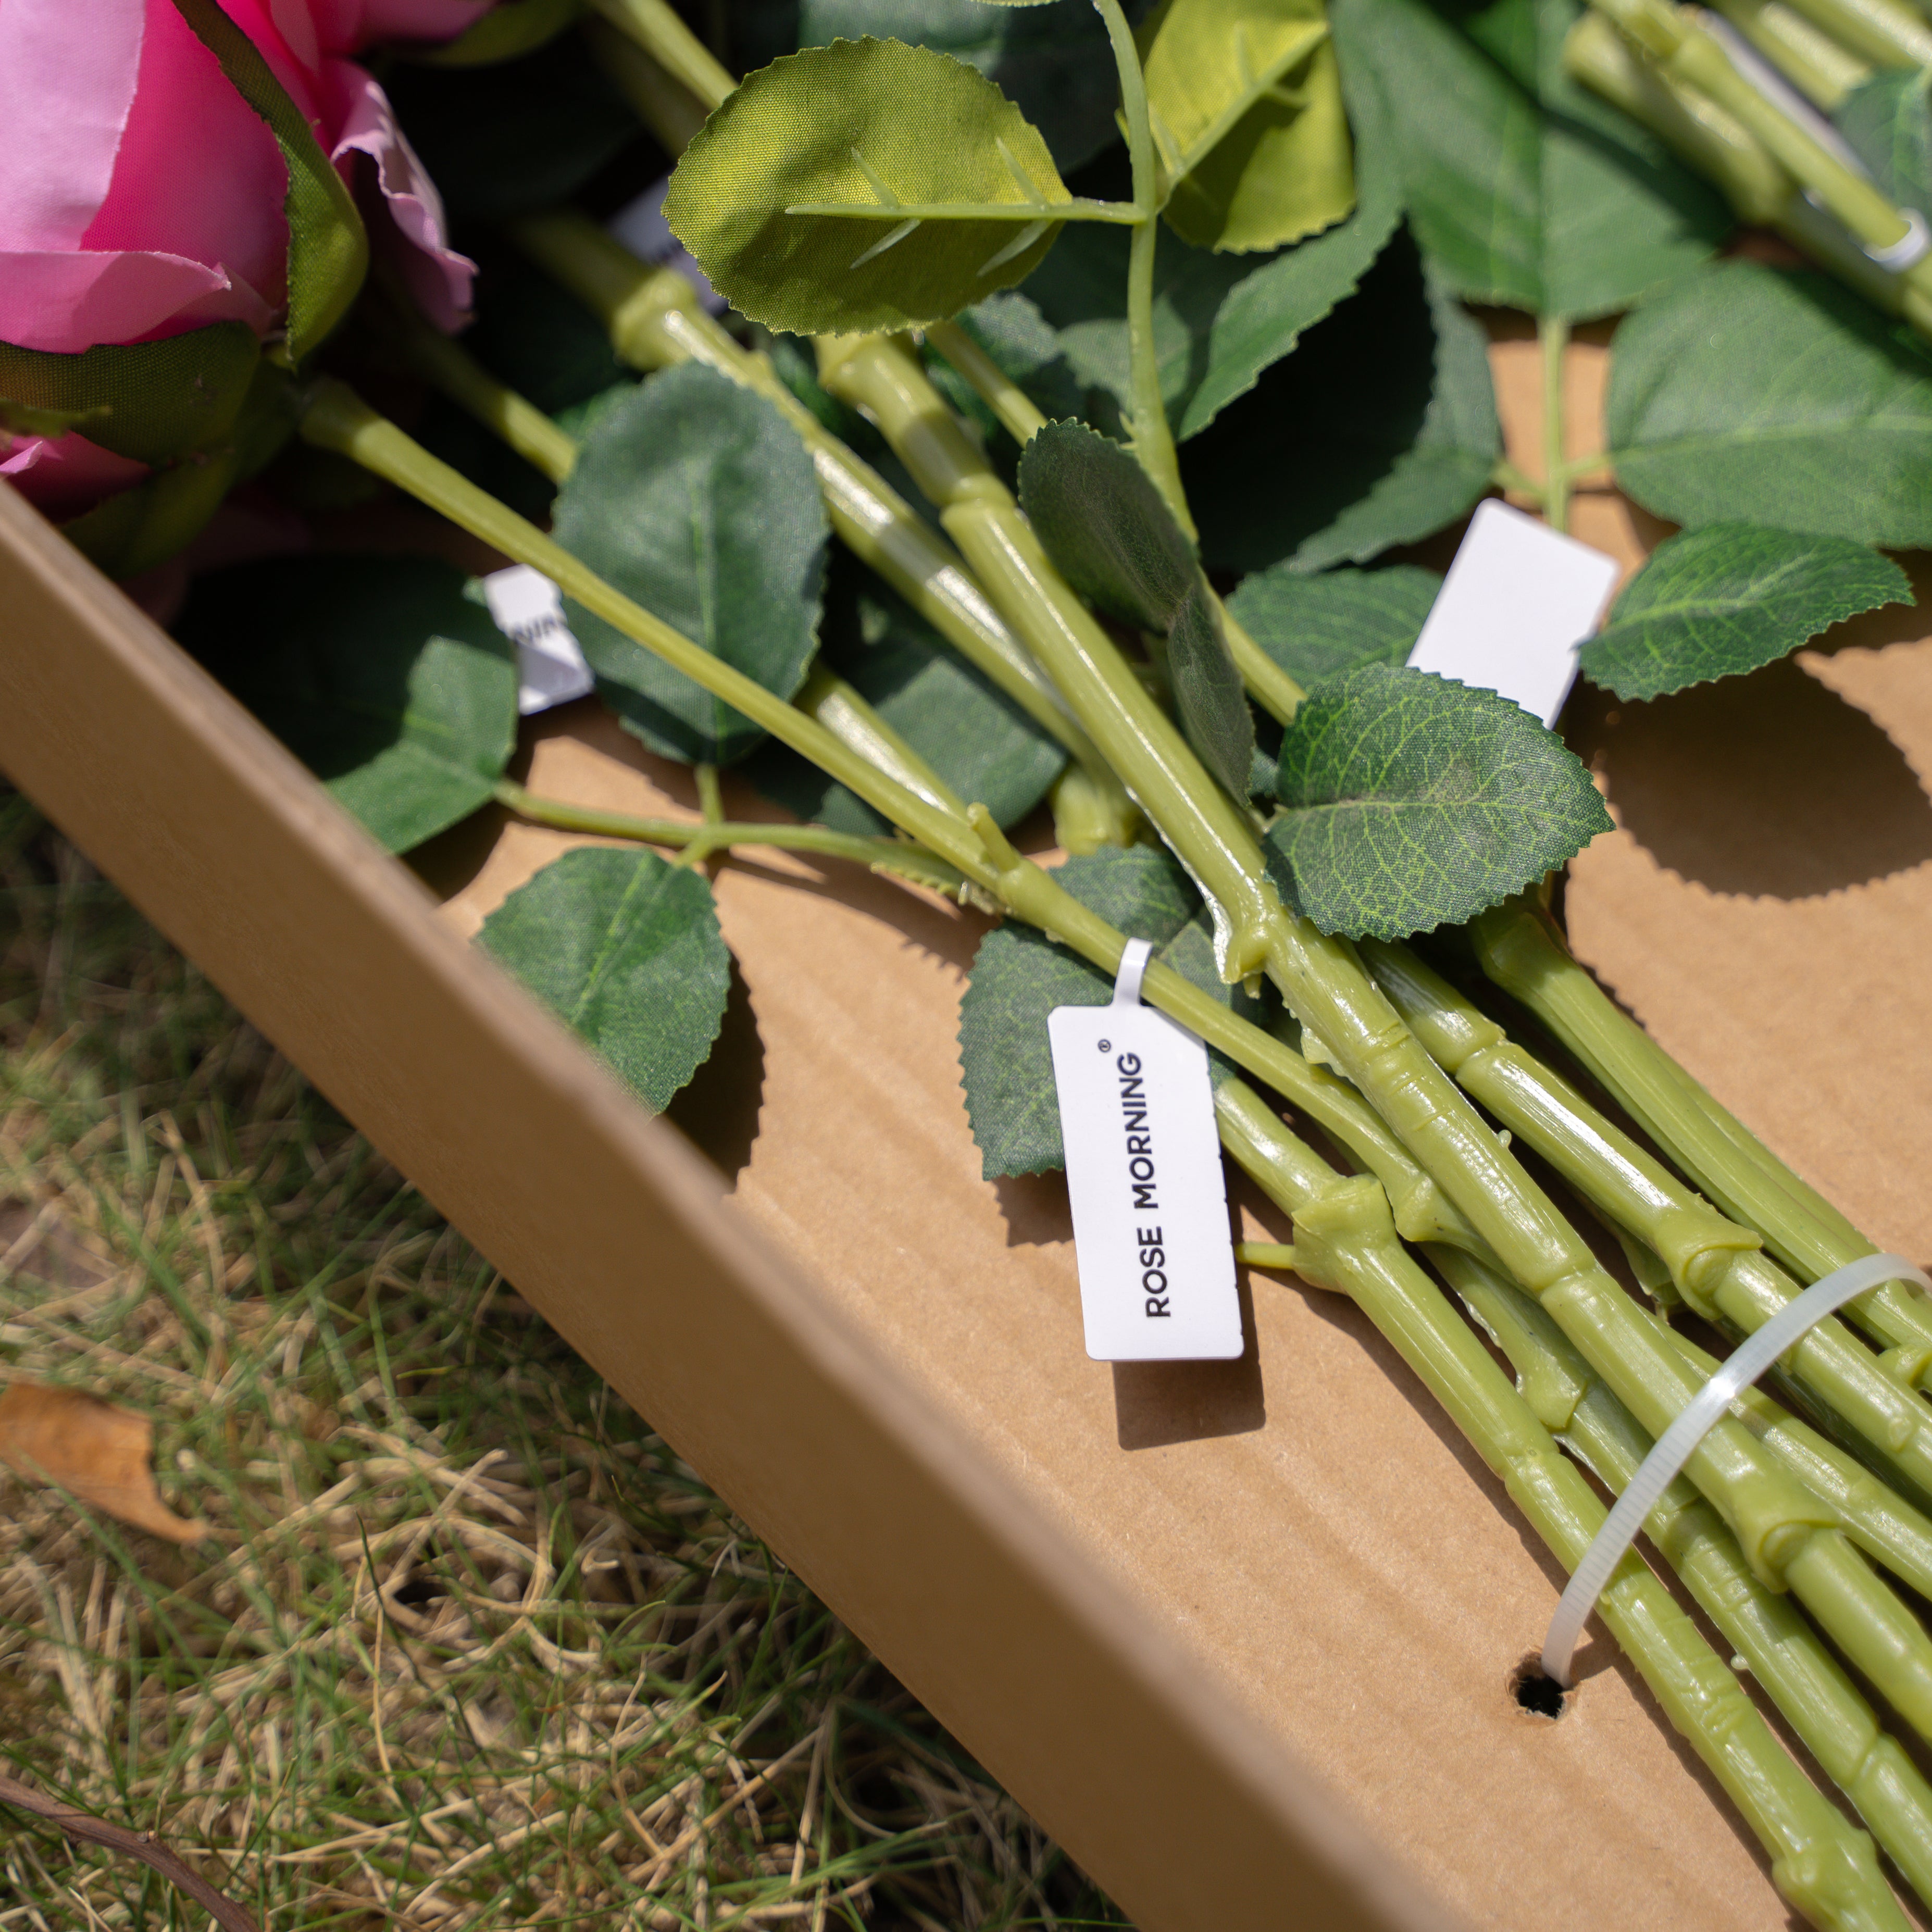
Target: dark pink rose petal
{"x":439,"y":277}
{"x":61,"y":115}
{"x":63,"y":475}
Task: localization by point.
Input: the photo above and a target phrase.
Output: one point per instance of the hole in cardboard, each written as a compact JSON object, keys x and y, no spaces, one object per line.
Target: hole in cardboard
{"x":1535,"y":1691}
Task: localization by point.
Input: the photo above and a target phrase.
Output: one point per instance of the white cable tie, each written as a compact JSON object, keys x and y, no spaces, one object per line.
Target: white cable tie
{"x":1675,"y":1446}
{"x":1909,"y":250}
{"x":1134,"y":958}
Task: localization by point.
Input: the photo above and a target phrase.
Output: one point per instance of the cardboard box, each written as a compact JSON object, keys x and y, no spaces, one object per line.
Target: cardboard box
{"x":1240,"y":1635}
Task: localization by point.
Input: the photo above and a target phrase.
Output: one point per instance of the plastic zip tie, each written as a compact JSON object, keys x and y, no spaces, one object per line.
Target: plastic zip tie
{"x":1675,"y":1446}
{"x":1909,"y":250}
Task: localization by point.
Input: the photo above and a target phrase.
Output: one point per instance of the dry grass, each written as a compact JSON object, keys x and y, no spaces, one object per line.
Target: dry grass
{"x":469,"y":1646}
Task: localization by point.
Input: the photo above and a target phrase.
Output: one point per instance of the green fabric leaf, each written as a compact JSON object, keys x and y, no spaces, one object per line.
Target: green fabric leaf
{"x":1380,"y":430}
{"x":1765,"y":396}
{"x":1106,"y":526}
{"x":379,"y":673}
{"x":1246,"y":107}
{"x":1220,"y":321}
{"x":328,"y":252}
{"x":624,"y":947}
{"x":1020,"y":976}
{"x":1522,"y":187}
{"x":499,"y":142}
{"x":152,"y":401}
{"x":1316,"y":627}
{"x":1109,"y":530}
{"x":980,"y":743}
{"x":1888,"y":122}
{"x":695,"y":497}
{"x":794,"y":197}
{"x":1050,"y":60}
{"x":1411,"y":801}
{"x":1209,"y":698}
{"x":1718,"y":601}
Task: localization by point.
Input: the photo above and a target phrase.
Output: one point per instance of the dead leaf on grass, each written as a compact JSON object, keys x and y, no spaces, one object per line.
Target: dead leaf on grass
{"x":102,"y":1453}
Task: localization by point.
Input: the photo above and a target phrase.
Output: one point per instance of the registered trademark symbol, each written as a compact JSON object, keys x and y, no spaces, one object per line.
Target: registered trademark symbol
{"x":1106,"y":1046}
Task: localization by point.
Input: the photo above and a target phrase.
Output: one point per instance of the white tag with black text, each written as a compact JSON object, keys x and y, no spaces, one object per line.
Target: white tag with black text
{"x":1151,"y":1231}
{"x":1518,"y":603}
{"x":527,"y":607}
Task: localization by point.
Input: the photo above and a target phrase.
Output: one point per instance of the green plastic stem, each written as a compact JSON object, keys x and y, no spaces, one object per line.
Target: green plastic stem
{"x":1814,"y":62}
{"x":881,"y":376}
{"x":1152,"y":435}
{"x":1667,"y":35}
{"x":1553,"y":337}
{"x":1790,"y":1534}
{"x":1519,"y":948}
{"x":1715,"y":1265}
{"x":1823,"y":1866}
{"x":1831,"y":1716}
{"x":1018,"y":414}
{"x":975,"y":846}
{"x":1882,"y":31}
{"x":654,"y":25}
{"x":1266,"y":682}
{"x":893,"y":855}
{"x":655,"y":319}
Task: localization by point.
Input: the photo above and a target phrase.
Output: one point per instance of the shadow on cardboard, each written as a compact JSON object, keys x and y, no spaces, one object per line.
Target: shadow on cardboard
{"x":1769,"y":786}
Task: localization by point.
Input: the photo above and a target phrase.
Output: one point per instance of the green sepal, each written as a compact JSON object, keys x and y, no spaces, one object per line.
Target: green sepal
{"x":1750,"y":395}
{"x":695,"y":497}
{"x":1245,"y":103}
{"x":1411,"y":801}
{"x":624,"y":947}
{"x":135,"y":529}
{"x":760,"y":197}
{"x":1727,"y":598}
{"x":328,"y":251}
{"x":388,"y":682}
{"x":1109,"y":530}
{"x":1316,"y":627}
{"x":149,"y":400}
{"x":1020,"y":976}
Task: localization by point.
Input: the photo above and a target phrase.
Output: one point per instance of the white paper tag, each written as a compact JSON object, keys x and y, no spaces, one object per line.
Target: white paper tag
{"x":1518,"y":603}
{"x":1144,"y":1171}
{"x":641,"y":226}
{"x":527,"y":607}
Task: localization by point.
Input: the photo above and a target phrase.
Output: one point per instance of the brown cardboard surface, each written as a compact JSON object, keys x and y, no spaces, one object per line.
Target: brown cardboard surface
{"x":611,"y":1225}
{"x":1035,"y":1541}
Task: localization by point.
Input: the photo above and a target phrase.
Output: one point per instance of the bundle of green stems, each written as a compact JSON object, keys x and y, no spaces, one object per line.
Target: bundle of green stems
{"x":1657,"y":61}
{"x":1788,"y":1513}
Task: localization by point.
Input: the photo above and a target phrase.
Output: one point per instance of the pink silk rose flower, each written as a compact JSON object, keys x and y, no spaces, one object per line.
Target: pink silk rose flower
{"x":141,"y":196}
